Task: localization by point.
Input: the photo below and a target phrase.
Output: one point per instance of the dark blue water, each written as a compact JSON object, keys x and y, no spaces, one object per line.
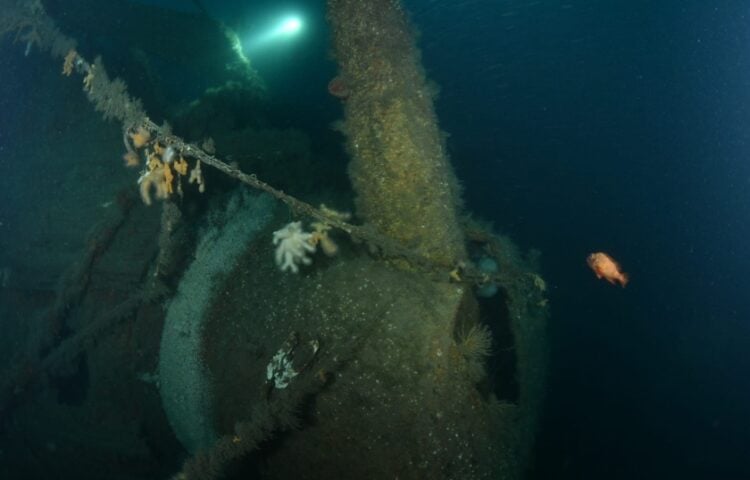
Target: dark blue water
{"x":618,"y":126}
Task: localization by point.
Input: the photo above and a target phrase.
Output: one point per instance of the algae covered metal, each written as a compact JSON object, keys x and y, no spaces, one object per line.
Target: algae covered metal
{"x":237,"y":343}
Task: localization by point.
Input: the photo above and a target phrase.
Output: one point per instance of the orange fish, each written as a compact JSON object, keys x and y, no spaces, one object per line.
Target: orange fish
{"x":605,"y":267}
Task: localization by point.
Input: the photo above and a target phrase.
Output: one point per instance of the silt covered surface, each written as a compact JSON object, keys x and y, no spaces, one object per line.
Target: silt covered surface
{"x":390,"y":392}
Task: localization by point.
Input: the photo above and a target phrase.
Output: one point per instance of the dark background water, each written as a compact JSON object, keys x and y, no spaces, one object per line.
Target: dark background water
{"x":617,"y":126}
{"x":580,"y":126}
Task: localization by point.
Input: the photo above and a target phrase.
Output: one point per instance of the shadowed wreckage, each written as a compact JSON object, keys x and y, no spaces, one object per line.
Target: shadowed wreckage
{"x":145,"y":340}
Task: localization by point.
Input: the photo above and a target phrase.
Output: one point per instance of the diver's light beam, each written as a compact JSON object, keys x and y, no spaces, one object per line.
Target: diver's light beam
{"x":288,"y":27}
